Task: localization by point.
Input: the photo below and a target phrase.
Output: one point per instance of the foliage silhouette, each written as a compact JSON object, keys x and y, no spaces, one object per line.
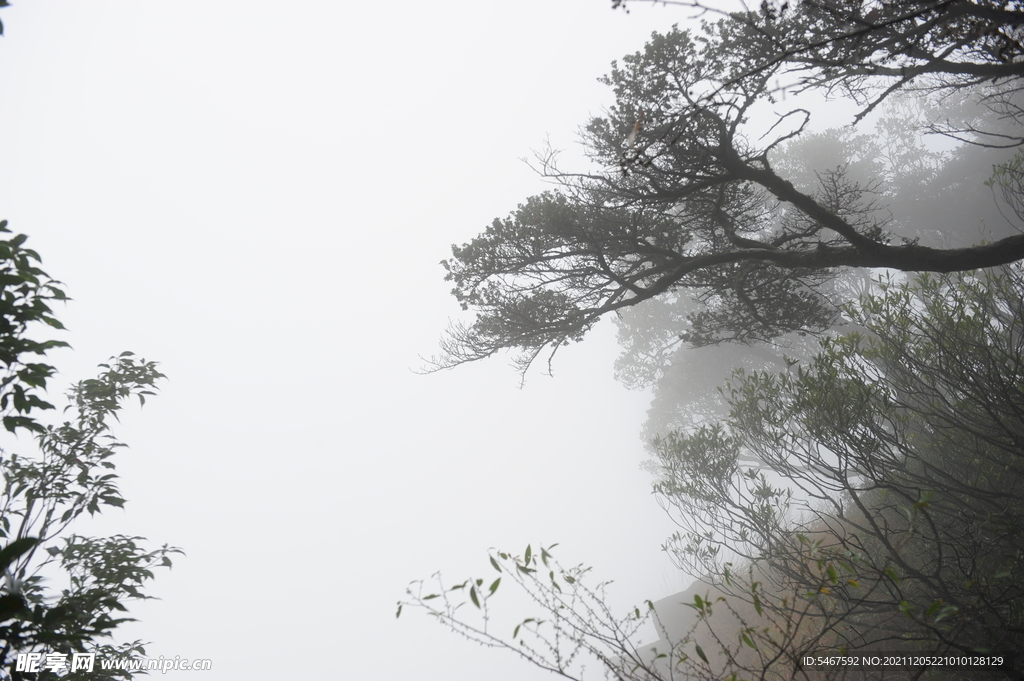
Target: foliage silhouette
{"x":44,"y":494}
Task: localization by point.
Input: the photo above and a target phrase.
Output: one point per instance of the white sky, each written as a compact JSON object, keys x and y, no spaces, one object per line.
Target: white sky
{"x":258,"y":195}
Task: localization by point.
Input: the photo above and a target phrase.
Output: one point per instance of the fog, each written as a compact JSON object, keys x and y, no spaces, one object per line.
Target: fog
{"x":257,"y":195}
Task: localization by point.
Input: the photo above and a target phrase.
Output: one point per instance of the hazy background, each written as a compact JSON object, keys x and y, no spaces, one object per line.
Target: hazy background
{"x":257,"y":195}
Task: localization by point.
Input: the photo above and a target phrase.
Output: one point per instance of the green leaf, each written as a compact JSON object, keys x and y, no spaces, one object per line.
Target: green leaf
{"x":495,"y":564}
{"x":473,"y":596}
{"x":529,"y":554}
{"x":12,"y":605}
{"x":15,"y":550}
{"x":700,"y":652}
{"x":494,"y":585}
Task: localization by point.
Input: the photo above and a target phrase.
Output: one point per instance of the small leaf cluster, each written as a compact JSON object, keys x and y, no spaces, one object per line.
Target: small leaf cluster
{"x":25,"y":296}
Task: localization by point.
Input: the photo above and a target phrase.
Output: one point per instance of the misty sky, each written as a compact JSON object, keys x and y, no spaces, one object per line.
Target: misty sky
{"x":258,"y":195}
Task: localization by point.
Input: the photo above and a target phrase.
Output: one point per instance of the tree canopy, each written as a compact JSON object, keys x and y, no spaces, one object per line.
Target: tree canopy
{"x":863,"y":492}
{"x":684,"y":194}
{"x":867,"y":50}
{"x":64,"y":631}
{"x":892,"y":455}
{"x":62,"y":594}
{"x":943,"y":196}
{"x":868,"y":499}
